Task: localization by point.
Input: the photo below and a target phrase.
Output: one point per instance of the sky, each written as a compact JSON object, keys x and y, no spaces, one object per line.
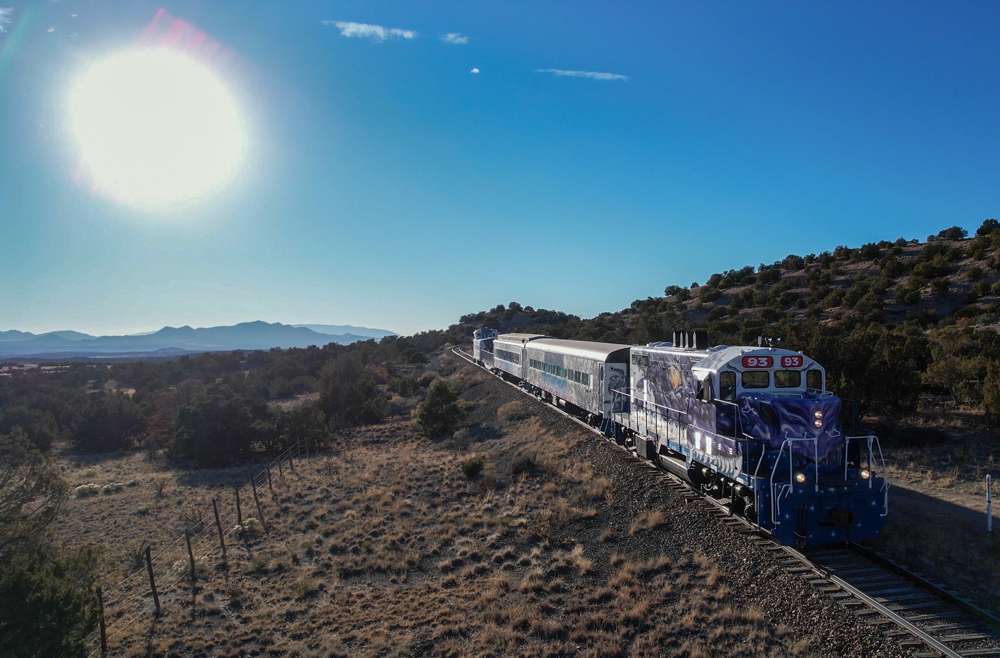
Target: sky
{"x":404,"y":164}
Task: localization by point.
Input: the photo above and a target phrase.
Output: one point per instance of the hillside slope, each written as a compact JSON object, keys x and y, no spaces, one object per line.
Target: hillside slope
{"x":893,"y":322}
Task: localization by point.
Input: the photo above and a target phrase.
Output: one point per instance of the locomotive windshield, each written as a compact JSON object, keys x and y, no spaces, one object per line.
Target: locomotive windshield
{"x":755,"y":379}
{"x":787,"y":379}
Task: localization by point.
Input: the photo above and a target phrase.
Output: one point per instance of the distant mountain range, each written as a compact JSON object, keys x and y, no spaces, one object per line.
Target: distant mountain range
{"x":244,"y":336}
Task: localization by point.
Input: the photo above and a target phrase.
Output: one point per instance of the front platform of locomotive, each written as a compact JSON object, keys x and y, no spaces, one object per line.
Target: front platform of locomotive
{"x":810,"y":482}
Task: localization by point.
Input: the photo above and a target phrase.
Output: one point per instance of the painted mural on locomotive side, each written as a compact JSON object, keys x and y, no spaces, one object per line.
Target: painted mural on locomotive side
{"x":667,"y":380}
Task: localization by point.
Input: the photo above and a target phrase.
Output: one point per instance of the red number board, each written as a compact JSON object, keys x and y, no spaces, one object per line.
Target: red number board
{"x":758,"y":361}
{"x":791,"y":362}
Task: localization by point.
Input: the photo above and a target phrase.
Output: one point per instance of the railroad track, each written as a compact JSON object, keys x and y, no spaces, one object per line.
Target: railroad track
{"x":923,"y":617}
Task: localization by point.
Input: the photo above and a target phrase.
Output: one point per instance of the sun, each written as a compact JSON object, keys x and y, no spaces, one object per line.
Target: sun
{"x":156,"y":129}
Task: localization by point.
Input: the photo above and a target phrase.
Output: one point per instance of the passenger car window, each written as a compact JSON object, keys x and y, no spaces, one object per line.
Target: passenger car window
{"x":755,"y":379}
{"x":814,"y":379}
{"x":727,"y":386}
{"x":787,"y":378}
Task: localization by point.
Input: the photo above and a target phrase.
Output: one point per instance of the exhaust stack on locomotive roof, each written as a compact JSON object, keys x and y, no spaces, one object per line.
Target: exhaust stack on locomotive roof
{"x":691,"y":340}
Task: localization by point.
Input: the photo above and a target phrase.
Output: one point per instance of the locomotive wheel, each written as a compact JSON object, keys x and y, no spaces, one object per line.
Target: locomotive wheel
{"x":737,"y":505}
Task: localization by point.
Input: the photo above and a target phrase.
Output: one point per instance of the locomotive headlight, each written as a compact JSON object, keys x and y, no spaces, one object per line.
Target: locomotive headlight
{"x":818,"y":415}
{"x":865,"y":474}
{"x":818,"y":423}
{"x":800,"y":478}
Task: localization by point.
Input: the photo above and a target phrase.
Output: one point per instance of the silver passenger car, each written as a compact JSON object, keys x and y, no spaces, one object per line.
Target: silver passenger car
{"x":509,"y":354}
{"x":583,"y":373}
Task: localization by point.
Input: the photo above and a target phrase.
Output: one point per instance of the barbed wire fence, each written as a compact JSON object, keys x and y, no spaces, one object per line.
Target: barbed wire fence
{"x":158,"y":583}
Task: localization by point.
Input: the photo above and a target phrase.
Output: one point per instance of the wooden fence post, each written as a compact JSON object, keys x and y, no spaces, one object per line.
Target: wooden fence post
{"x":152,"y":581}
{"x":307,"y":446}
{"x":222,"y":537}
{"x":239,"y":511}
{"x":280,"y":472}
{"x":104,"y":628}
{"x":260,"y":514}
{"x":291,"y":463}
{"x":269,"y":485}
{"x":187,"y":538}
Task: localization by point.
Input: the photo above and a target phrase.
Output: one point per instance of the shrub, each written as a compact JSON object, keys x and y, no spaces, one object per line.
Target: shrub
{"x":250,"y":529}
{"x":988,"y":226}
{"x":440,"y":412}
{"x":709,"y":294}
{"x":46,"y":607}
{"x":350,"y":395}
{"x":793,"y":263}
{"x":219,"y":428}
{"x":953,"y":233}
{"x":512,"y":410}
{"x":871,"y":251}
{"x":940,"y":287}
{"x":87,"y":490}
{"x":110,"y":422}
{"x":524,"y":463}
{"x":975,"y":273}
{"x":892,"y":267}
{"x":472,"y":467}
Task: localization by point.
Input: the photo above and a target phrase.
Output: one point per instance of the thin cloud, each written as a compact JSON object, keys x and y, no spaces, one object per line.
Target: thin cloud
{"x":5,"y":17}
{"x":474,"y":71}
{"x":593,"y":75}
{"x":455,"y":37}
{"x":374,"y":32}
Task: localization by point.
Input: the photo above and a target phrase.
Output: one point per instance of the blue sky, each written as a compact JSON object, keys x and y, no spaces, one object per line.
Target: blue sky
{"x":387,"y":185}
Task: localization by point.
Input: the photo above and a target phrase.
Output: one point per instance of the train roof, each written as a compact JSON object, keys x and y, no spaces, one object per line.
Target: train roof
{"x":520,"y":338}
{"x":582,"y":348}
{"x":714,"y":358}
{"x":730,"y":356}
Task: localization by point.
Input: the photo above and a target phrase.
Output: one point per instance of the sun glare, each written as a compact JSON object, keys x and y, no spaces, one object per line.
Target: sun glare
{"x":155,"y":128}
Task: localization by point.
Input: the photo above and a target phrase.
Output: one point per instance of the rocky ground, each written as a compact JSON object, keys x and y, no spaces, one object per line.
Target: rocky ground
{"x":391,"y":544}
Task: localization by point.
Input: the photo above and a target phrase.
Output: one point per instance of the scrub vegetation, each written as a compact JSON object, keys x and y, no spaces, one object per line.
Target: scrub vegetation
{"x":390,"y":543}
{"x":907,"y":329}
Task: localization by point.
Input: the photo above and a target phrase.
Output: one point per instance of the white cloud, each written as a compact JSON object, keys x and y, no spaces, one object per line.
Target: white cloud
{"x":373,"y":32}
{"x":5,"y":13}
{"x":455,"y":37}
{"x":593,"y":75}
{"x":474,"y":71}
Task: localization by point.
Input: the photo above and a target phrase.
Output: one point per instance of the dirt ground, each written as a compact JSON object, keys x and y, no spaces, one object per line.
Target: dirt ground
{"x":937,"y":517}
{"x":389,"y":544}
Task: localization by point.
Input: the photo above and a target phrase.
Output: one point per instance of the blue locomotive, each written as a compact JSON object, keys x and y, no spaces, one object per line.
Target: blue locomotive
{"x":750,"y":425}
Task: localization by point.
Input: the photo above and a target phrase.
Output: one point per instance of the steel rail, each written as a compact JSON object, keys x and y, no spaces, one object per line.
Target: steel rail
{"x":817,"y":570}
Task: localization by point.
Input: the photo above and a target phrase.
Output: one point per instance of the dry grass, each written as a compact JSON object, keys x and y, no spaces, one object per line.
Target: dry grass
{"x":386,"y":548}
{"x":937,"y":516}
{"x":649,"y":520}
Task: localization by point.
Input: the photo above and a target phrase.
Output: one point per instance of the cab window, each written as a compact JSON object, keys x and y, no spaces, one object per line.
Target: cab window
{"x":755,"y":378}
{"x":814,"y":379}
{"x":787,"y":379}
{"x":727,"y":386}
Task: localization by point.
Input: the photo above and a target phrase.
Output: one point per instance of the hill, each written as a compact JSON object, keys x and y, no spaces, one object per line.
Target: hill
{"x":340,"y":329}
{"x":244,"y":336}
{"x":894,"y":323}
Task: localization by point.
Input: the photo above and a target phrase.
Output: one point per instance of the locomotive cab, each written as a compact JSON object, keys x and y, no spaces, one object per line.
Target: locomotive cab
{"x":811,"y":482}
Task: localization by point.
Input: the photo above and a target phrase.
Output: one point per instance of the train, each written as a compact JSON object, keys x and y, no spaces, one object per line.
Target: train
{"x":752,"y":426}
